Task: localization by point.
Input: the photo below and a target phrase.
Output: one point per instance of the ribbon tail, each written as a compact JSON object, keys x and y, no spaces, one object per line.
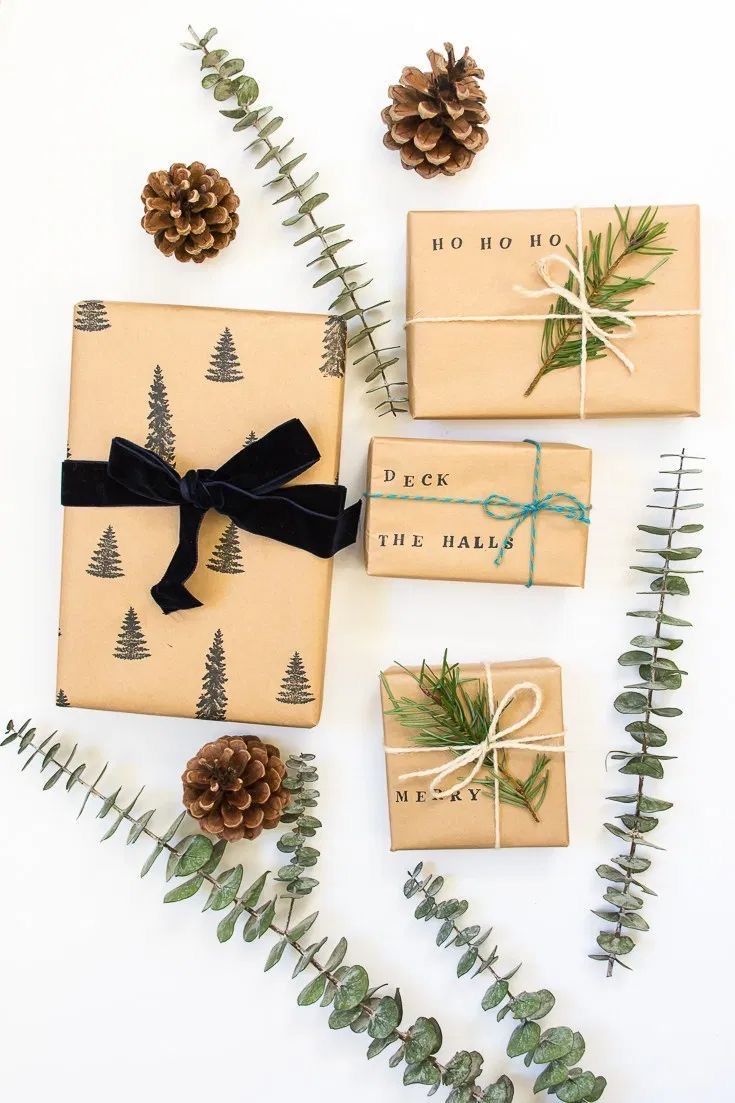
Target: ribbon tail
{"x":170,"y":594}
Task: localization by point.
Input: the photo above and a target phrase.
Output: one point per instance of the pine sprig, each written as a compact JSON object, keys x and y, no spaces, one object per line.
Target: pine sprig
{"x":226,"y":79}
{"x":558,"y":1048}
{"x":657,"y":673}
{"x":606,"y":286}
{"x":450,"y":716}
{"x":193,"y":861}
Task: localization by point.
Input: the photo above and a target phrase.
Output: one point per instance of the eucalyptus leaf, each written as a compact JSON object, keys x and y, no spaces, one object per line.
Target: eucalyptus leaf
{"x":352,"y":989}
{"x":524,"y":1038}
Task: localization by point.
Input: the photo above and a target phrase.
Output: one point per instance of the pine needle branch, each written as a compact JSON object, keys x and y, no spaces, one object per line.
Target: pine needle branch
{"x":450,"y":716}
{"x":193,"y":861}
{"x":226,"y":79}
{"x":606,"y":286}
{"x":657,"y":673}
{"x":558,"y":1048}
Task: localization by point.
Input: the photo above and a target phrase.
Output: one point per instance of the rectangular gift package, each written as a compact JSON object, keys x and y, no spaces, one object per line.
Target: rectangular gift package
{"x":431,"y":511}
{"x":196,"y":385}
{"x":478,"y":264}
{"x":467,"y":818}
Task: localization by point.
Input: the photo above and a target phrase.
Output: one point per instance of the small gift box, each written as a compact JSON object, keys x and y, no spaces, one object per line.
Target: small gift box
{"x":496,"y":777}
{"x":500,"y":323}
{"x":478,"y":511}
{"x":213,"y":435}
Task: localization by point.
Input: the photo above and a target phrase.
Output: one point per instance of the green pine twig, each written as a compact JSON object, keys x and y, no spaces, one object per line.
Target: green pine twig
{"x":226,"y":78}
{"x":193,"y":861}
{"x":606,"y":286}
{"x":558,"y":1048}
{"x":658,"y":673}
{"x":450,"y":716}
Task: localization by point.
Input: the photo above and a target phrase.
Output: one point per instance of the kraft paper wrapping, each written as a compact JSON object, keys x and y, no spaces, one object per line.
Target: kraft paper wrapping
{"x":481,"y":369}
{"x":262,"y":629}
{"x":467,"y":818}
{"x":414,"y":539}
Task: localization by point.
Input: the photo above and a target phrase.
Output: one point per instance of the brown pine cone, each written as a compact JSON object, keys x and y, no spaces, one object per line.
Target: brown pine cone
{"x":191,"y":211}
{"x":434,"y":119}
{"x":233,"y":787}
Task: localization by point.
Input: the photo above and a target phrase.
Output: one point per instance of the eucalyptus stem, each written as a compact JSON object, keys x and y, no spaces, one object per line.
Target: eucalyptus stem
{"x":226,"y":83}
{"x":658,"y":673}
{"x":356,"y":1004}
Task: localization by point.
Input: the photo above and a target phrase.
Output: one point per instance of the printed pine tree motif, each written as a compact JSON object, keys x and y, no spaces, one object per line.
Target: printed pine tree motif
{"x":224,"y":365}
{"x":212,"y":703}
{"x":91,"y":316}
{"x":295,"y":686}
{"x":161,"y":438}
{"x":250,"y":438}
{"x":227,"y":555}
{"x":68,"y":452}
{"x":62,"y":700}
{"x":333,"y":349}
{"x":106,"y":561}
{"x":131,"y":643}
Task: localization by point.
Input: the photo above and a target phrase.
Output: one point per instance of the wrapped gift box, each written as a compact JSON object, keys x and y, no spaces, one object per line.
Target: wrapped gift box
{"x":472,"y":264}
{"x":195,"y":386}
{"x":425,"y":518}
{"x":467,"y":818}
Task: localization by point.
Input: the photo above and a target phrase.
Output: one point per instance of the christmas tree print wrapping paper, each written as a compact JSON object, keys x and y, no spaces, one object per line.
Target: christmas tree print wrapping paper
{"x":471,"y":263}
{"x":195,"y":385}
{"x":418,"y":822}
{"x":406,"y":537}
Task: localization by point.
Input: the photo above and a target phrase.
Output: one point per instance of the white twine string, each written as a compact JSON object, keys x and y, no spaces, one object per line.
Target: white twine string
{"x":582,"y":310}
{"x":474,"y":753}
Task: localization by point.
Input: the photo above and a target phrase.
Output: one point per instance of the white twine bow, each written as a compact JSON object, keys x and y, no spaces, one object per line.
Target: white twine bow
{"x":475,"y":753}
{"x":582,"y":311}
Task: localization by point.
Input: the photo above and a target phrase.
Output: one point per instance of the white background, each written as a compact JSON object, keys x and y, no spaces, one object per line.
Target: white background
{"x":105,"y":992}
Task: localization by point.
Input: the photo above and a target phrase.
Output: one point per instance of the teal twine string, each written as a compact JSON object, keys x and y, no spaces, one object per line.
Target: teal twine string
{"x":501,"y":508}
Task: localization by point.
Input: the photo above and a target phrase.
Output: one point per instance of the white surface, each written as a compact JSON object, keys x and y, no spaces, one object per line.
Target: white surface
{"x":105,"y":992}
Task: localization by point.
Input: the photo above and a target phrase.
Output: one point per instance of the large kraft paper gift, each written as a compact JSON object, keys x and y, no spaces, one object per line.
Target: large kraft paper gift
{"x":245,"y":637}
{"x":480,"y":511}
{"x":480,"y":265}
{"x":467,"y":817}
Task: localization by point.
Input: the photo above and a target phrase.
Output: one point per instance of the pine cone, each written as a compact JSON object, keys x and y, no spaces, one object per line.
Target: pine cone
{"x":191,"y":211}
{"x":434,"y":119}
{"x":233,"y":787}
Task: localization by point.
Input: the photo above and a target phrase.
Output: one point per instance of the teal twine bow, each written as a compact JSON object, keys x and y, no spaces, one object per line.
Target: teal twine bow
{"x":502,"y":508}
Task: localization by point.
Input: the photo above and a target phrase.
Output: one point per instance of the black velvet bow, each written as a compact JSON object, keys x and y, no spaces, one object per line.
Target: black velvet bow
{"x":249,"y":489}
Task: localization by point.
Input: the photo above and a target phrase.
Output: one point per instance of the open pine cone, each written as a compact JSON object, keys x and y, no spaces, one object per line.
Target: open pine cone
{"x":191,"y":211}
{"x":435,"y":117}
{"x":233,"y":787}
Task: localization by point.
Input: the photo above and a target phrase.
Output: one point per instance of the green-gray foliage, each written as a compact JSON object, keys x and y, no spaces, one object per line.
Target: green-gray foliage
{"x":226,"y":79}
{"x":449,"y":715}
{"x":193,"y":861}
{"x":658,"y":674}
{"x":561,"y":343}
{"x":558,"y":1048}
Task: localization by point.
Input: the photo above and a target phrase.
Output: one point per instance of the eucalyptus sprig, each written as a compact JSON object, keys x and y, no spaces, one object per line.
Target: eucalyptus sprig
{"x":658,"y":673}
{"x":226,"y":78}
{"x":558,"y":1048}
{"x":451,"y":717}
{"x":606,"y":286}
{"x":193,"y":860}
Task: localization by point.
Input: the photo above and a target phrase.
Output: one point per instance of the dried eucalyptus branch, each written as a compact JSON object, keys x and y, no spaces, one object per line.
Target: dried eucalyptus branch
{"x":346,"y":988}
{"x":558,"y":1048}
{"x":449,"y":716}
{"x":561,"y":342}
{"x":226,"y":79}
{"x":658,"y":674}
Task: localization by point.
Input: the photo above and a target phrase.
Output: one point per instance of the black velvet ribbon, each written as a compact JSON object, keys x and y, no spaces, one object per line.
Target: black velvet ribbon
{"x":249,"y":489}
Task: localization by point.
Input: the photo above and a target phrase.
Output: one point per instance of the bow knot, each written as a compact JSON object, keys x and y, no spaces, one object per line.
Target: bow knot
{"x":196,"y":492}
{"x":249,"y":488}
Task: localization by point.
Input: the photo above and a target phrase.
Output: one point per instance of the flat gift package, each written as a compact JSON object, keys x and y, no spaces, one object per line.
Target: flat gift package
{"x":201,"y":511}
{"x":497,"y":325}
{"x":480,"y":511}
{"x":444,"y":798}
